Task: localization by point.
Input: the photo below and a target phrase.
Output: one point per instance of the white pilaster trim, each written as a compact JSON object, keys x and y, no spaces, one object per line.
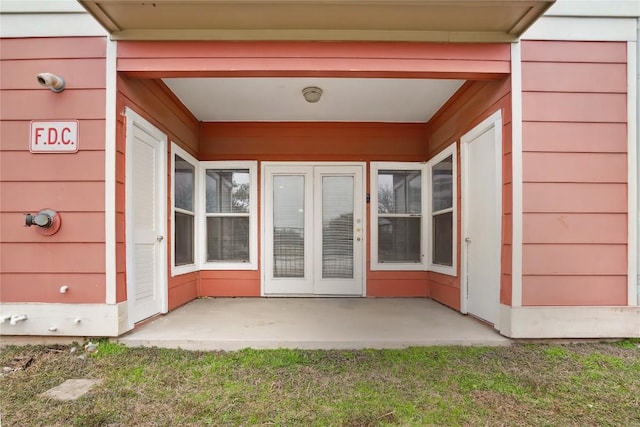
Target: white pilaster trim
{"x":570,"y":322}
{"x":632,"y":166}
{"x":71,"y":320}
{"x":516,"y":180}
{"x":110,"y":173}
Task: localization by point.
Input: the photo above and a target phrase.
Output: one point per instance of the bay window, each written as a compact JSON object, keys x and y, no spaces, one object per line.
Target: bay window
{"x":183,"y":195}
{"x":443,"y":221}
{"x":413,"y":214}
{"x":230,"y":210}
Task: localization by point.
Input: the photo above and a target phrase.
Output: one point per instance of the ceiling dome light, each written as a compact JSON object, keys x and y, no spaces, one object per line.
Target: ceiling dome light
{"x":312,"y":94}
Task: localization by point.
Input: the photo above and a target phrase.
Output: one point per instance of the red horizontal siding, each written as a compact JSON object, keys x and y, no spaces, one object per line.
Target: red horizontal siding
{"x":218,"y":287}
{"x":79,"y":167}
{"x":182,"y":289}
{"x":506,"y":259}
{"x":574,"y":77}
{"x":574,"y":167}
{"x":14,"y":135}
{"x":445,"y":289}
{"x":156,"y":103}
{"x":574,"y":259}
{"x":165,"y":59}
{"x":574,"y":51}
{"x":574,"y":290}
{"x":62,"y":196}
{"x":43,"y":104}
{"x":561,"y":137}
{"x":506,"y":290}
{"x":392,"y":50}
{"x":587,"y":228}
{"x":152,"y":100}
{"x":77,"y":227}
{"x":574,"y":107}
{"x":85,"y":73}
{"x":574,"y":198}
{"x":575,"y":172}
{"x":312,"y":141}
{"x":321,"y":67}
{"x":53,"y":48}
{"x":35,"y":266}
{"x":474,"y":102}
{"x":52,"y":258}
{"x":397,"y":288}
{"x":468,"y":107}
{"x":397,"y":284}
{"x":45,"y":287}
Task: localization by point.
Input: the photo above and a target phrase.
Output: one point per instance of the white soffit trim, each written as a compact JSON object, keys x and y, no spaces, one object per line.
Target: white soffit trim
{"x":409,"y":20}
{"x":66,"y":24}
{"x":601,"y":8}
{"x":40,"y":6}
{"x":582,"y":29}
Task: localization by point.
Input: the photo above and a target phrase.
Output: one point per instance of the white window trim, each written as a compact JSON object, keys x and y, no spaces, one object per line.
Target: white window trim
{"x":177,"y":270}
{"x":395,"y":266}
{"x":443,"y":269}
{"x":253,"y":216}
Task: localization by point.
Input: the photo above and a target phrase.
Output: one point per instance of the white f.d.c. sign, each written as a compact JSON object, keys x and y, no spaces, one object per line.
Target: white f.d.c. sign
{"x":54,"y":137}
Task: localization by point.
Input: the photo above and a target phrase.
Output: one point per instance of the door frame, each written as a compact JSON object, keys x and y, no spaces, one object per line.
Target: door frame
{"x":134,"y":119}
{"x":493,"y":121}
{"x":263,"y":221}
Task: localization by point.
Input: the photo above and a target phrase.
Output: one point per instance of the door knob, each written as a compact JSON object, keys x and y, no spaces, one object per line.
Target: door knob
{"x":160,"y":238}
{"x":467,"y":239}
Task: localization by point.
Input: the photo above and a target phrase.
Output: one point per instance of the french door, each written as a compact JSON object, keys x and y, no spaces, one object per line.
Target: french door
{"x":313,"y":229}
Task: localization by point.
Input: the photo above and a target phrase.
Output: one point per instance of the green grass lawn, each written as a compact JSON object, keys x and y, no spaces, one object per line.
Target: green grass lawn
{"x":533,"y":384}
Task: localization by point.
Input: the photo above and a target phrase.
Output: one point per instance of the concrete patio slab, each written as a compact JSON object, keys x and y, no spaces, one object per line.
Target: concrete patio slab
{"x":311,"y":323}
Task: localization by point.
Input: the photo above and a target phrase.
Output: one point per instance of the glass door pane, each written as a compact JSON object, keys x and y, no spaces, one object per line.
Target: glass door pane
{"x":337,"y":227}
{"x":288,"y":226}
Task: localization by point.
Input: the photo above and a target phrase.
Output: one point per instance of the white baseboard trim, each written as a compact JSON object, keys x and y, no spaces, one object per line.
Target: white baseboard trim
{"x":72,"y":320}
{"x":570,"y":322}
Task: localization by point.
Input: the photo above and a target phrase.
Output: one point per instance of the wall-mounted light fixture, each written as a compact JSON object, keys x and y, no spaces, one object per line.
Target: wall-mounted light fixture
{"x":312,"y":94}
{"x":52,"y":81}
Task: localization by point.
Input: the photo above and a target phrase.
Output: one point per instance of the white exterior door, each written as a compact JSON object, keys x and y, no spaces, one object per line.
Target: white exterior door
{"x":146,"y":202}
{"x":482,"y":208}
{"x":313,"y":230}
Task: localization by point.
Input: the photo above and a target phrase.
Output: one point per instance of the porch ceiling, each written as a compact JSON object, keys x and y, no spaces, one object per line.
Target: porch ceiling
{"x":388,"y":20}
{"x":343,"y":99}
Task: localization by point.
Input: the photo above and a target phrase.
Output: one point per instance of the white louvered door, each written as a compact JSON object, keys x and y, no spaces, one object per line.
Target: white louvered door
{"x":146,"y":200}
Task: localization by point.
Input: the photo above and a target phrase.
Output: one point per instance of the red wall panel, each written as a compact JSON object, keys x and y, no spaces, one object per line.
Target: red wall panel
{"x":152,"y":100}
{"x":575,"y":173}
{"x":474,"y":102}
{"x":33,"y":267}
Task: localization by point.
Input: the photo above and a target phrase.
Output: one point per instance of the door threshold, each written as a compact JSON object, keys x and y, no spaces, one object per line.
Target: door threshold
{"x":310,"y":296}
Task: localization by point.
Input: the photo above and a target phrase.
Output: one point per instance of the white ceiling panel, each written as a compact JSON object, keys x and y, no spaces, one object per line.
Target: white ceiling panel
{"x":343,"y":99}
